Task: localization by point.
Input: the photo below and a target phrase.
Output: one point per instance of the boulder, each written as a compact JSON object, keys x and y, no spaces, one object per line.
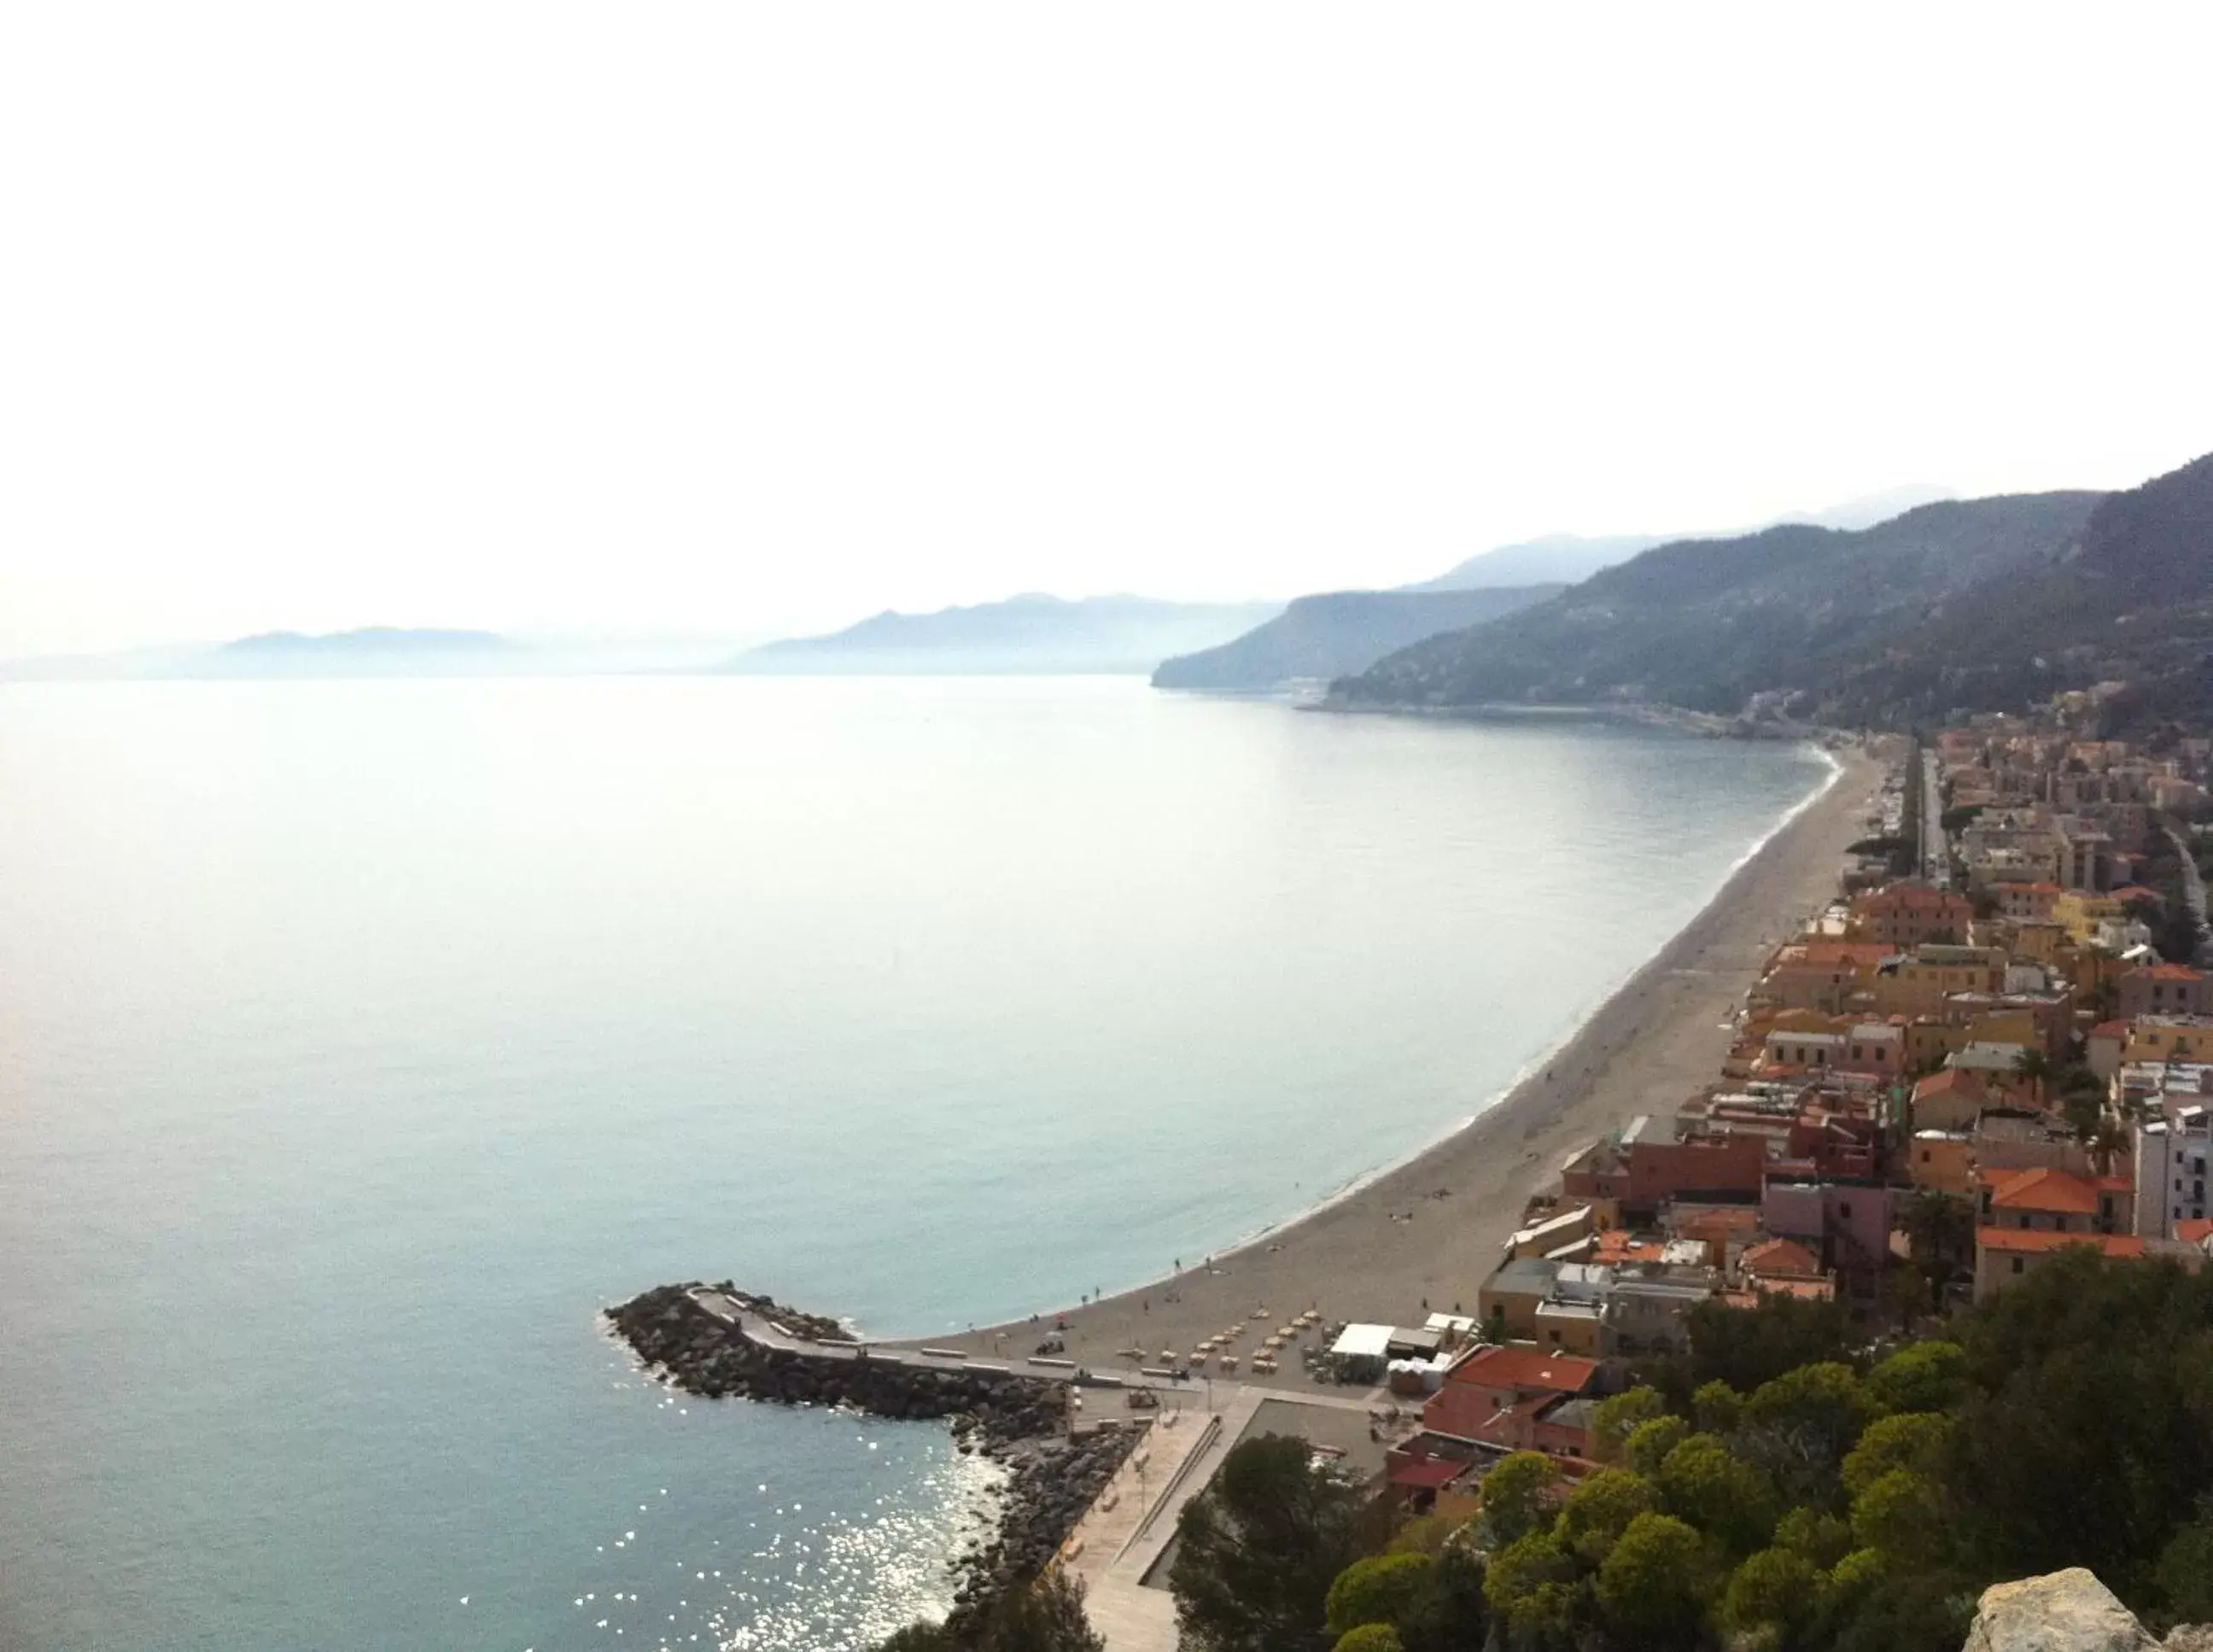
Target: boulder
{"x":2061,"y":1611}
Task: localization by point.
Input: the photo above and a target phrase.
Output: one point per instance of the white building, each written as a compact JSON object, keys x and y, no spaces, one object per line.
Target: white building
{"x":2170,"y":1170}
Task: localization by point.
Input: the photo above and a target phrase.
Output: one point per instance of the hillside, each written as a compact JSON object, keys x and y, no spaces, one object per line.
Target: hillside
{"x":2132,"y":603}
{"x":1565,"y":558}
{"x":1025,"y":634}
{"x":1555,"y":559}
{"x":1815,"y":615}
{"x":1334,"y":635}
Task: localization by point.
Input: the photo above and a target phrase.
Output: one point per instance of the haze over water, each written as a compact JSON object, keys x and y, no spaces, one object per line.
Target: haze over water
{"x":359,"y":1040}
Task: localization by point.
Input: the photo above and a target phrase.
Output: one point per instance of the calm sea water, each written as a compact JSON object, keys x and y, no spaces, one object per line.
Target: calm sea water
{"x":359,"y":1040}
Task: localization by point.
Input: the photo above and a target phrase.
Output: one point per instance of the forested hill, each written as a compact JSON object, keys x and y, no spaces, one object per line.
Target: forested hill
{"x":1830,"y":620}
{"x":1341,"y":632}
{"x":2134,"y":604}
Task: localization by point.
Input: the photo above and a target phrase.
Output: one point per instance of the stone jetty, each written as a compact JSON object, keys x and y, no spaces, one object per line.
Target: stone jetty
{"x":755,"y":1348}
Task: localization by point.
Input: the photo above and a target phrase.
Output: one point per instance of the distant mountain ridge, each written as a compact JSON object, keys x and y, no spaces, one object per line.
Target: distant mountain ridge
{"x":1570,"y":558}
{"x":1330,"y":635}
{"x":1965,"y":605}
{"x":370,"y":651}
{"x":1038,"y":634}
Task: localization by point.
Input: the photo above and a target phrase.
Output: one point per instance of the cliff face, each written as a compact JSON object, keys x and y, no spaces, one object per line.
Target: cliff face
{"x":1341,"y":632}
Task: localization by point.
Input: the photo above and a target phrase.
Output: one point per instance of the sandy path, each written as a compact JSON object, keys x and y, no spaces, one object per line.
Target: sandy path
{"x":1647,"y":1049}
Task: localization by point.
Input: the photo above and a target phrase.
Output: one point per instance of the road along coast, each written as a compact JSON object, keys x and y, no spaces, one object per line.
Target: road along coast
{"x":1423,"y":1236}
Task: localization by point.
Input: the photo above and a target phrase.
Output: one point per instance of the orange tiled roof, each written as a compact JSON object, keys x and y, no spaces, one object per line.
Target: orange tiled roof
{"x":2192,"y":1232}
{"x":1525,"y":1367}
{"x":1780,"y":1256}
{"x":2039,"y":1242}
{"x":1964,"y":1080}
{"x":1846,"y":952}
{"x":2111,"y":1030}
{"x":2166,"y":972}
{"x":2044,"y":1189}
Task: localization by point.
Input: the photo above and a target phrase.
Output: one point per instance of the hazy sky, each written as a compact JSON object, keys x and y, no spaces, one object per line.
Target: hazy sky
{"x":744,"y":318}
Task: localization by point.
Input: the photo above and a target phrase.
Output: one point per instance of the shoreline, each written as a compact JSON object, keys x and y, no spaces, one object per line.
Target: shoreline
{"x":1421,"y":1234}
{"x":1543,"y":1060}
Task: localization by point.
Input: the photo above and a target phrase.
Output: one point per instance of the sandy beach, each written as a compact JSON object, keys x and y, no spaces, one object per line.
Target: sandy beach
{"x":1384,"y":1251}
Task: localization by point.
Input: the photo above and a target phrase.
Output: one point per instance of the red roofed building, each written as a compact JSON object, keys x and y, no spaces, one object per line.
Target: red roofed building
{"x":1780,"y":1256}
{"x":2052,"y":1201}
{"x":1647,"y":1164}
{"x":1908,"y":914}
{"x":2003,"y":1256}
{"x":1516,"y":1398}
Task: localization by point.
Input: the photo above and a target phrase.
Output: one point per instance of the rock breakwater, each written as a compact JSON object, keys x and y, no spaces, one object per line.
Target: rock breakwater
{"x":1018,"y":1420}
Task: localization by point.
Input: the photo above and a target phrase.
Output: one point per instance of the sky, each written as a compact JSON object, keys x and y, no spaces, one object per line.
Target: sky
{"x":745,"y":320}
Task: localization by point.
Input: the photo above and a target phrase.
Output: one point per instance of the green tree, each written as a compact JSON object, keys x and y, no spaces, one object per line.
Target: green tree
{"x":1914,"y":1440}
{"x":1424,"y":1534}
{"x":1923,"y":1376}
{"x":1599,"y":1510}
{"x":1613,"y":1420}
{"x":1718,"y":1408}
{"x":2034,"y":1068}
{"x":920,"y":1637}
{"x":1453,"y":1617}
{"x":1648,"y":1447}
{"x":1718,"y":1492}
{"x":1516,"y":1496}
{"x":1371,"y":1638}
{"x":1257,"y":1550}
{"x":1821,"y":1537}
{"x":2186,"y":1568}
{"x":1746,"y":1347}
{"x":1381,"y":1589}
{"x":1046,"y":1617}
{"x":1879,"y":1610}
{"x":1531,"y":1589}
{"x":2088,"y":1431}
{"x":1940,"y":1235}
{"x":1799,"y":1427}
{"x":1778,"y":1586}
{"x":1649,"y":1587}
{"x":1900,"y":1515}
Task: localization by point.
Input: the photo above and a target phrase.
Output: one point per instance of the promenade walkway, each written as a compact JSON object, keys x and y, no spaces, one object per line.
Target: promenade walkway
{"x":1124,"y":1532}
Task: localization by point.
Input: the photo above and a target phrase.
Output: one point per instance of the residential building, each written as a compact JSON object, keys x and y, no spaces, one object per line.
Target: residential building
{"x":1506,"y":1399}
{"x":2169,"y":1157}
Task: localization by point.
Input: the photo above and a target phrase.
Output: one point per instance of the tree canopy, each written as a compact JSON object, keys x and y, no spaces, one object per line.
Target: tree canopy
{"x":1260,"y":1547}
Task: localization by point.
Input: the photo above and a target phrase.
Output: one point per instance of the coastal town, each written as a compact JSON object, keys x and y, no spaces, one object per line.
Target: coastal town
{"x":1985,"y":1043}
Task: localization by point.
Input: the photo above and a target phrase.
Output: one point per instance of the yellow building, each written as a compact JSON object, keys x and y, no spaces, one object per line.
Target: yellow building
{"x":1941,"y":1161}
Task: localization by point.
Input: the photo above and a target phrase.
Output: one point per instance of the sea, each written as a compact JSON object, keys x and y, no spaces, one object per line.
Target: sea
{"x":359,"y":1041}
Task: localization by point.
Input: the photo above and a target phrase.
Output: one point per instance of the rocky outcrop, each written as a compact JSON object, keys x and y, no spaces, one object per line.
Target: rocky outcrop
{"x":2069,"y":1612}
{"x":703,"y":1354}
{"x":1020,"y":1421}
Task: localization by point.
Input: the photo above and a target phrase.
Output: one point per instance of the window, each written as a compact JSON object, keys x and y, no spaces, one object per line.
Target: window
{"x":2016,"y":1264}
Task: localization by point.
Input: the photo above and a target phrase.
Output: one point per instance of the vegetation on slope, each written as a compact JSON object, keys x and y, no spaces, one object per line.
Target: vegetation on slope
{"x":1328,"y":637}
{"x":1708,"y":624}
{"x":1778,"y":1489}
